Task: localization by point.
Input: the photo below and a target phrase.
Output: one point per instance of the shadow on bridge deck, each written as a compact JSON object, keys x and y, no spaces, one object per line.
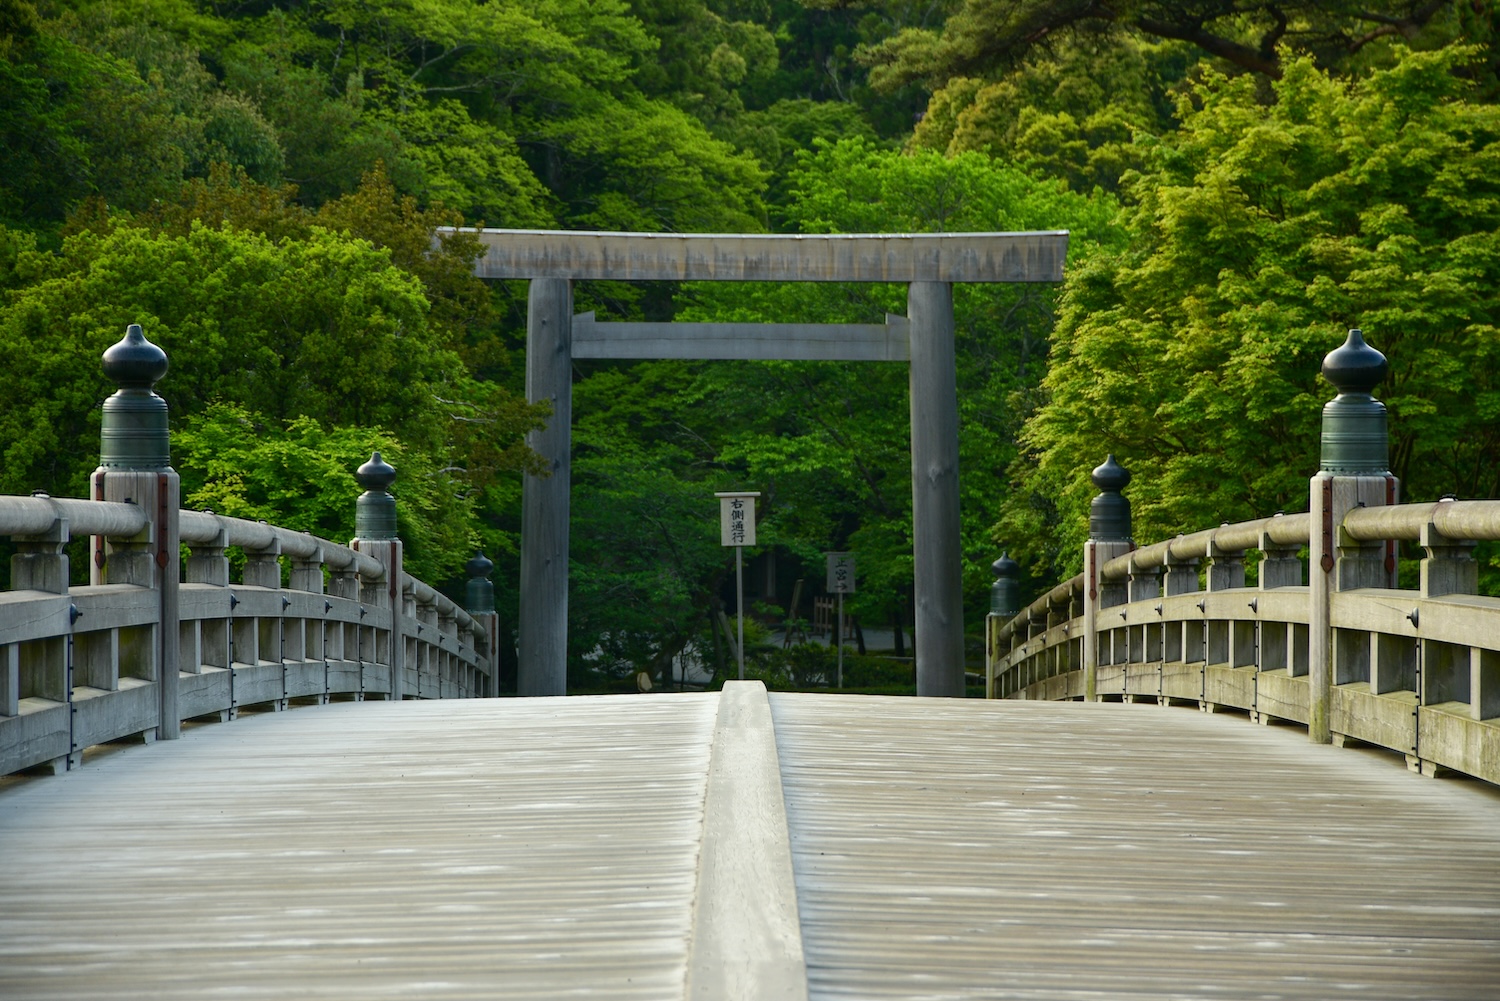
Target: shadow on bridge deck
{"x":939,"y":849}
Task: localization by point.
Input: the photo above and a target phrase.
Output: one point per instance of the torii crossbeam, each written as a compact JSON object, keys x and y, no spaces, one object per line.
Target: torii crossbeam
{"x":928,"y":263}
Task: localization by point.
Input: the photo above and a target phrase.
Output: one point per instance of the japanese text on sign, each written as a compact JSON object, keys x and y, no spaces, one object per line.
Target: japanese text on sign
{"x":737,"y":519}
{"x":840,"y":573}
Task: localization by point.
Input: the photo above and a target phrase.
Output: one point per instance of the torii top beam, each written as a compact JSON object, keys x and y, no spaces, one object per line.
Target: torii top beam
{"x":839,"y":257}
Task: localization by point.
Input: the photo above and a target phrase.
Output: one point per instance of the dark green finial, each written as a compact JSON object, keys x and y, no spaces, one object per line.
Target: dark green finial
{"x":1109,"y":514}
{"x":375,"y":511}
{"x":376,"y":473}
{"x":134,"y":431}
{"x":1354,"y":435}
{"x":1005,"y":595}
{"x":479,"y":593}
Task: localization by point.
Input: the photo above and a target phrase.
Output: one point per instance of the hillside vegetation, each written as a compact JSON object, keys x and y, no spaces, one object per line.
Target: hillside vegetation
{"x":257,"y":185}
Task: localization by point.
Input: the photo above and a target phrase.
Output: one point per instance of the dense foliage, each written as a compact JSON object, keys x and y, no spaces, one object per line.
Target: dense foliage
{"x":258,"y":185}
{"x":1260,"y":234}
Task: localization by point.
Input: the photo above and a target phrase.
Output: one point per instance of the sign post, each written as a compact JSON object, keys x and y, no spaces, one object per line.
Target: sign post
{"x":737,"y":529}
{"x":840,"y":582}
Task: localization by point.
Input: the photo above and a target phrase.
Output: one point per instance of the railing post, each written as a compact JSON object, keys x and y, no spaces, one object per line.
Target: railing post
{"x":1449,"y":566}
{"x":448,"y":669}
{"x":340,"y":638}
{"x":1145,"y":582}
{"x":41,"y":561}
{"x":40,"y":564}
{"x":135,"y":466}
{"x":1355,"y":472}
{"x":414,"y":652}
{"x":207,"y":562}
{"x":1181,"y":574}
{"x":310,"y":634}
{"x":1005,"y":601}
{"x":208,"y":642}
{"x":263,"y":569}
{"x":307,"y":573}
{"x":263,"y":565}
{"x":1226,"y":567}
{"x":375,"y":536}
{"x":479,"y":602}
{"x":343,"y":582}
{"x":1280,"y":566}
{"x":1109,"y":536}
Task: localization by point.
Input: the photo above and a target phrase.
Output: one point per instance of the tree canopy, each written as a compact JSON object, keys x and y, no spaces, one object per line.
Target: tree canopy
{"x":1259,"y":234}
{"x":259,"y":186}
{"x":1249,"y":34}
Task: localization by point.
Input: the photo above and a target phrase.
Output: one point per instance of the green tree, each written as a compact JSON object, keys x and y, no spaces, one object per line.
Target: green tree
{"x":646,"y":560}
{"x":1260,"y":233}
{"x":322,"y":327}
{"x":299,"y":474}
{"x":78,"y":119}
{"x":1246,"y":34}
{"x":1072,"y":111}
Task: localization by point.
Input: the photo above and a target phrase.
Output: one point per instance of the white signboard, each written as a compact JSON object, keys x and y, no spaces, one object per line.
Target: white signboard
{"x":840,"y":573}
{"x":737,"y":518}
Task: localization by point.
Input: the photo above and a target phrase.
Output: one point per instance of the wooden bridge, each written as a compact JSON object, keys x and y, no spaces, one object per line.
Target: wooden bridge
{"x":386,"y":839}
{"x":740,"y":846}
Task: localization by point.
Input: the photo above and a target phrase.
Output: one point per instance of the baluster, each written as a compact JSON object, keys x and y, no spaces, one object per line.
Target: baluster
{"x":1279,"y":564}
{"x":479,"y":602}
{"x":375,"y":535}
{"x":1181,"y":574}
{"x":1226,"y":567}
{"x":1109,"y":537}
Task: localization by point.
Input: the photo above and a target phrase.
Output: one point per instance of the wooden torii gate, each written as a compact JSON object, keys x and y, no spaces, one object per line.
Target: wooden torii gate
{"x":928,"y":263}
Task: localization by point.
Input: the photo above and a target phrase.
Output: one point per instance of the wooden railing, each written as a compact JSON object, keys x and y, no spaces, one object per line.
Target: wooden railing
{"x":1416,"y":671}
{"x":308,"y":619}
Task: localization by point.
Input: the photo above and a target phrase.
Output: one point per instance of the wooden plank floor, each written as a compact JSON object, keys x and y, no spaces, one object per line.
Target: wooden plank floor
{"x":1066,"y":851}
{"x":454,"y":849}
{"x":941,"y":849}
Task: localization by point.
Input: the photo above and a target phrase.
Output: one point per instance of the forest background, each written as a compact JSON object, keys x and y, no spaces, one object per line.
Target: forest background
{"x":257,"y":183}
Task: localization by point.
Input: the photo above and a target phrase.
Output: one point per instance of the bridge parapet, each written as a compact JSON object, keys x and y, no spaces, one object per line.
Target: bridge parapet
{"x":1416,"y":671}
{"x":143,"y":647}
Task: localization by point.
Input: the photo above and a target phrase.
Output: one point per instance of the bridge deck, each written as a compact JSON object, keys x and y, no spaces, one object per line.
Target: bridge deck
{"x":940,"y":849}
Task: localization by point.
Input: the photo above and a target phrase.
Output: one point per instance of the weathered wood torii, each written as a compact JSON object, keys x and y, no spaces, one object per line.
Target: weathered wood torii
{"x":928,"y":263}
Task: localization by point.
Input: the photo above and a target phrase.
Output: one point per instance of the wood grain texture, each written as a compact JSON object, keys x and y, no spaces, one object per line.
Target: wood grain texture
{"x":538,"y":848}
{"x":1070,"y":851}
{"x":880,"y":257}
{"x":745,"y":341}
{"x":484,"y":849}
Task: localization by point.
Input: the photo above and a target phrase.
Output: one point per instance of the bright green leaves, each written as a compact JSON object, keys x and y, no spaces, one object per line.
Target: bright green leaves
{"x":318,"y":331}
{"x":469,"y":166}
{"x":322,"y":327}
{"x":646,"y":166}
{"x":299,"y":474}
{"x":854,"y":187}
{"x":1072,"y":112}
{"x":1261,"y":233}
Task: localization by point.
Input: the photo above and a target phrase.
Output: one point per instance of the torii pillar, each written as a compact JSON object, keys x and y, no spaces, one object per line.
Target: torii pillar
{"x":543,"y":623}
{"x":937,"y":549}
